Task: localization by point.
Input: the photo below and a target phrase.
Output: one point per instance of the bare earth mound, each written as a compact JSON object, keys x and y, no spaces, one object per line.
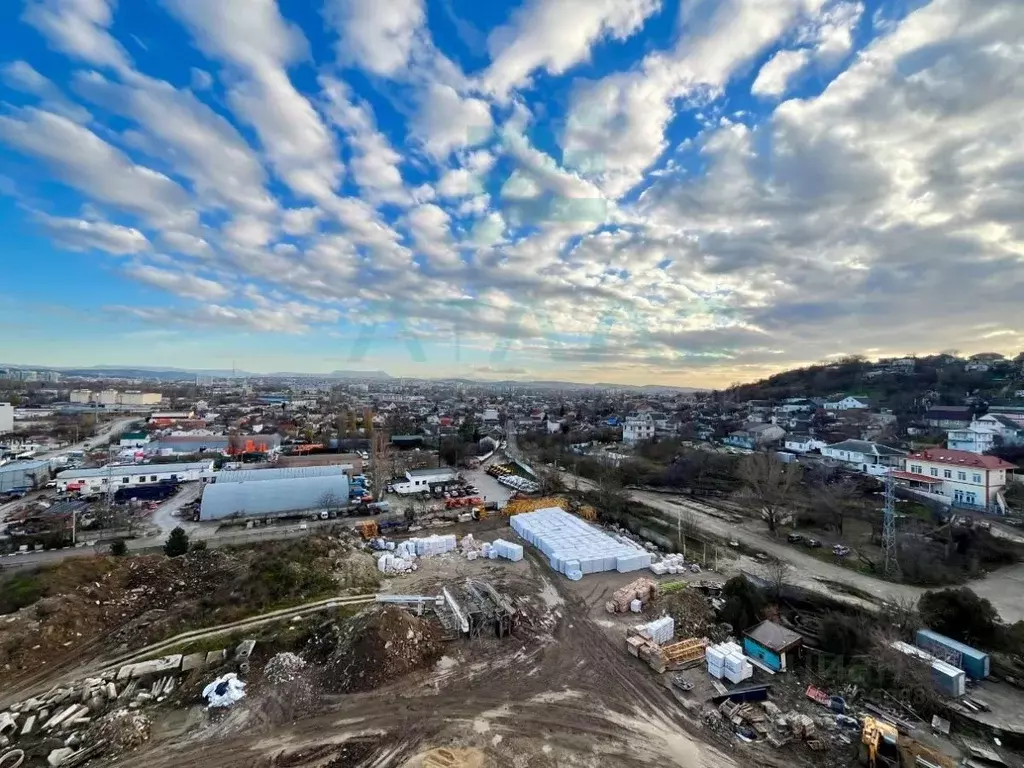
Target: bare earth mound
{"x":380,"y":646}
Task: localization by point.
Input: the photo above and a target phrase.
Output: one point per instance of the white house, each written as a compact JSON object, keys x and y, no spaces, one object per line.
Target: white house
{"x":754,"y":436}
{"x":986,"y":433}
{"x":796,"y":405}
{"x":554,"y":427}
{"x":804,"y":444}
{"x":104,"y":478}
{"x":422,"y":480}
{"x":636,"y":429}
{"x":976,"y":366}
{"x":966,"y":479}
{"x":864,"y":456}
{"x":848,"y":403}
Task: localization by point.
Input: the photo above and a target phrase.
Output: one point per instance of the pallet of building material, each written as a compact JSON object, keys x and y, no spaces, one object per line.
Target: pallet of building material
{"x":779,"y":741}
{"x":642,"y":589}
{"x":685,"y":652}
{"x":634,"y":644}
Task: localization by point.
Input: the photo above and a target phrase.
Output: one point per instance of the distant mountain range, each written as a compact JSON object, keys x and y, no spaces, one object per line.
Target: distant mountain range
{"x":182,"y":374}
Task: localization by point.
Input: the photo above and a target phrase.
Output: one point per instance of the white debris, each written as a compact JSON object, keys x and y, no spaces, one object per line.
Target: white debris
{"x":224,"y":691}
{"x":284,"y":668}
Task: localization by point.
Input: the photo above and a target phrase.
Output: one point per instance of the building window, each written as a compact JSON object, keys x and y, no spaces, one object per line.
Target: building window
{"x":948,"y":474}
{"x":935,"y":472}
{"x":976,"y":478}
{"x":152,"y":478}
{"x":961,"y":476}
{"x":125,"y":479}
{"x":915,"y":468}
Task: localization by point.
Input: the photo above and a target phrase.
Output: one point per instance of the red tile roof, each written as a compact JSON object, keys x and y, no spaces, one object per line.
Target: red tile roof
{"x":916,"y":478}
{"x":960,"y":459}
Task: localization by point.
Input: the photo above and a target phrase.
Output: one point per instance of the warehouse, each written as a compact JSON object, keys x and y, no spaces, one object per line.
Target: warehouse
{"x":101,"y":478}
{"x":23,"y":475}
{"x":272,"y":497}
{"x":283,"y":473}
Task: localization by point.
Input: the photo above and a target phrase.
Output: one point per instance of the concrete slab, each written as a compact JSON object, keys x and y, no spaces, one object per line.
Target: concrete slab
{"x":216,"y":657}
{"x":160,"y":666}
{"x":193,"y":661}
{"x":125,"y":672}
{"x":244,"y":650}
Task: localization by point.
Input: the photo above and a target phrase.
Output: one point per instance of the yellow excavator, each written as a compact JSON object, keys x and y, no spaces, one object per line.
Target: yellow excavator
{"x":879,"y":744}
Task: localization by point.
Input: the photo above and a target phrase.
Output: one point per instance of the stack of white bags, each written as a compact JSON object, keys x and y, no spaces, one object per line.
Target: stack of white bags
{"x":662,"y":631}
{"x":389,"y":563}
{"x":508,"y":550}
{"x":669,"y":564}
{"x":727,"y":660}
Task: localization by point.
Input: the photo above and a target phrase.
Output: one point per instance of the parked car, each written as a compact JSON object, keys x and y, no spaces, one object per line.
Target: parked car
{"x":813,"y":543}
{"x":794,"y":538}
{"x":840,"y":551}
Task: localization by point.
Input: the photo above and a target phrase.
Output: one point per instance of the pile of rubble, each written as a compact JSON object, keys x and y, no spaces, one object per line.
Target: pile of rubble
{"x":379,"y":646}
{"x":764,"y":721}
{"x":284,"y":668}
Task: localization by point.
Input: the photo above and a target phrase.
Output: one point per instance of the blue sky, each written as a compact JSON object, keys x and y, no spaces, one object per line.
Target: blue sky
{"x":642,"y":191}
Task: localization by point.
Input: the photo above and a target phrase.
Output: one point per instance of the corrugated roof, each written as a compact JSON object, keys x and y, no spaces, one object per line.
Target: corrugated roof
{"x":961,"y":459}
{"x":281,"y":473}
{"x":866,"y":446}
{"x":135,"y":469}
{"x":431,"y":472}
{"x":271,"y":497}
{"x":772,"y":636}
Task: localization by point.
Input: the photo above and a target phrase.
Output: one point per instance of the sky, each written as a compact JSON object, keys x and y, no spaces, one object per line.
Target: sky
{"x":679,"y":192}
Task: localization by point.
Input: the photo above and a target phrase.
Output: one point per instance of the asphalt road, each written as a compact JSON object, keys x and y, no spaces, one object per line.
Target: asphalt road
{"x":101,"y":437}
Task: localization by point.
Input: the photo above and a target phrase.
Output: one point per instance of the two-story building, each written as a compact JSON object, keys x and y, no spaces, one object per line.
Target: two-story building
{"x":803,"y":443}
{"x":948,"y":417}
{"x":864,"y":456}
{"x":636,"y":429}
{"x":984,"y":434}
{"x":966,"y":479}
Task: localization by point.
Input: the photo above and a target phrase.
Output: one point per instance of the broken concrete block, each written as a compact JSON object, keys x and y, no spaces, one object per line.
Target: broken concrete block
{"x":193,"y":661}
{"x":7,"y":723}
{"x":110,"y":691}
{"x":59,"y":756}
{"x":216,"y":657}
{"x":125,"y":672}
{"x":30,"y":723}
{"x":244,"y":650}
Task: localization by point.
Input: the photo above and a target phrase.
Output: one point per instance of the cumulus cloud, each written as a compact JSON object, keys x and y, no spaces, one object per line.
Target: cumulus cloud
{"x":85,"y":235}
{"x":779,"y":71}
{"x":378,"y":37}
{"x":22,"y":76}
{"x":556,"y":35}
{"x":447,"y":121}
{"x":183,"y":284}
{"x":78,"y":28}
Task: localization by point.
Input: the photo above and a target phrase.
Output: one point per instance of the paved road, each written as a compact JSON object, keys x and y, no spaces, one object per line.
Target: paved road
{"x":164,"y":516}
{"x":105,"y":432}
{"x":1005,"y":588}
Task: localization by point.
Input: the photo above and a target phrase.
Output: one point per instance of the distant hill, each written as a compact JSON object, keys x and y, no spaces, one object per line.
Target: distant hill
{"x":940,"y":378}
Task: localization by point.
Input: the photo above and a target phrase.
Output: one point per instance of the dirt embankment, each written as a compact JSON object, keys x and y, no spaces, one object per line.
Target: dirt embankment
{"x":117,"y":604}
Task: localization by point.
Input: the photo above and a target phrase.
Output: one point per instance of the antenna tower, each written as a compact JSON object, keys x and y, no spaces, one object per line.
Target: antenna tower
{"x":892,"y":566}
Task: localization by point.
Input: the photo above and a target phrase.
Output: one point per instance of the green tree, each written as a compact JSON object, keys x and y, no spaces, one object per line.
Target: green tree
{"x":960,"y":614}
{"x":118,"y":548}
{"x":177,"y":543}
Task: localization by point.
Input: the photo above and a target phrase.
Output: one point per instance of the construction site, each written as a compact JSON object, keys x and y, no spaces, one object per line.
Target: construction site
{"x":461,"y":646}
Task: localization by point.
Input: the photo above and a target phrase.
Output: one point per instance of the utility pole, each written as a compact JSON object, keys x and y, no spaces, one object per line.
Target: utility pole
{"x":892,"y":566}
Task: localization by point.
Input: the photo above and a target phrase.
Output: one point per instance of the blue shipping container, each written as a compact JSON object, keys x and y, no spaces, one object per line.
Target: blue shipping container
{"x":972,"y":661}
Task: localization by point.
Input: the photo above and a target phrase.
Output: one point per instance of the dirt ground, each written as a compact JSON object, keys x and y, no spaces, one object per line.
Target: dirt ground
{"x":562,"y":691}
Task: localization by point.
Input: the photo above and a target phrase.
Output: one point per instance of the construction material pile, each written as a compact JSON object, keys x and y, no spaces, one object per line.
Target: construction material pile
{"x":123,"y":729}
{"x":434,"y":545}
{"x":643,"y":590}
{"x":379,"y":646}
{"x":660,"y":631}
{"x":394,"y":564}
{"x":673,"y":564}
{"x":693,"y":614}
{"x":576,"y":548}
{"x":284,"y":668}
{"x":727,"y":660}
{"x":507,"y":550}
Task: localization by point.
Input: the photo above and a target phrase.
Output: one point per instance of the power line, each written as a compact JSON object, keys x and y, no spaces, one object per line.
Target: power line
{"x":892,"y":565}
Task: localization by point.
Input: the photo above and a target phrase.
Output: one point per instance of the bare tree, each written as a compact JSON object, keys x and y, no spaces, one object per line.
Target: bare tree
{"x":329,"y":500}
{"x":380,"y":461}
{"x":769,"y":484}
{"x":778,"y":573}
{"x":835,"y":499}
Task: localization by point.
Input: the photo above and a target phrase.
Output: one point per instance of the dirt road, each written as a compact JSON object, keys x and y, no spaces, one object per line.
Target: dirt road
{"x":559,"y":693}
{"x":1004,"y":588}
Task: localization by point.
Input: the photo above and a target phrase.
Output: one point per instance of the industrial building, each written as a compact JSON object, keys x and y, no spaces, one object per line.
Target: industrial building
{"x":23,"y":475}
{"x":283,"y":473}
{"x":185,"y":445}
{"x":266,"y":498}
{"x":102,"y":478}
{"x":113,"y":397}
{"x":423,"y":480}
{"x":6,"y":418}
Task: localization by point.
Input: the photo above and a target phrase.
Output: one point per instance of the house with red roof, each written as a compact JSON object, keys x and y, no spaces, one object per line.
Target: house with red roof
{"x":966,"y":479}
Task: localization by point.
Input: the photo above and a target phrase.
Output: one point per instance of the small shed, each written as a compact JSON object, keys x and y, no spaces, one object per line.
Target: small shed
{"x":771,"y":644}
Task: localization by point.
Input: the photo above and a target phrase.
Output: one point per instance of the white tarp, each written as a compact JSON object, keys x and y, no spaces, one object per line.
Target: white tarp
{"x":224,"y":691}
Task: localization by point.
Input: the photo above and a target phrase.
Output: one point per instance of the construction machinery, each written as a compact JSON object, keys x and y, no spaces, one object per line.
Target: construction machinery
{"x":879,"y":743}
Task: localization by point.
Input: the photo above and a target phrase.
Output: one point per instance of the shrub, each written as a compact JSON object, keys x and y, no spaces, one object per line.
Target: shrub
{"x":960,"y":614}
{"x":177,"y":543}
{"x":19,"y":590}
{"x":743,"y":603}
{"x":118,"y":548}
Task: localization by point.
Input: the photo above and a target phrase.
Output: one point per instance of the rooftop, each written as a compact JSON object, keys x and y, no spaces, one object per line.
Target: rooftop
{"x":772,"y":636}
{"x":866,"y":446}
{"x":135,"y":469}
{"x":431,"y":472}
{"x":960,"y":459}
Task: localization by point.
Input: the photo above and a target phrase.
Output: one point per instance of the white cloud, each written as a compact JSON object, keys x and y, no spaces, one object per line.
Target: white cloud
{"x":831,"y":32}
{"x":21,"y":76}
{"x":190,"y":137}
{"x":248,"y":232}
{"x":78,"y":28}
{"x":299,"y":222}
{"x":779,"y":71}
{"x":375,"y":162}
{"x":615,"y":127}
{"x":459,"y":182}
{"x":201,"y":79}
{"x":377,"y":36}
{"x":83,"y":160}
{"x":446,"y":121}
{"x":429,"y":226}
{"x":556,"y":35}
{"x":251,"y":36}
{"x":188,"y":244}
{"x":291,"y":318}
{"x":83,"y":235}
{"x":180,"y":283}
